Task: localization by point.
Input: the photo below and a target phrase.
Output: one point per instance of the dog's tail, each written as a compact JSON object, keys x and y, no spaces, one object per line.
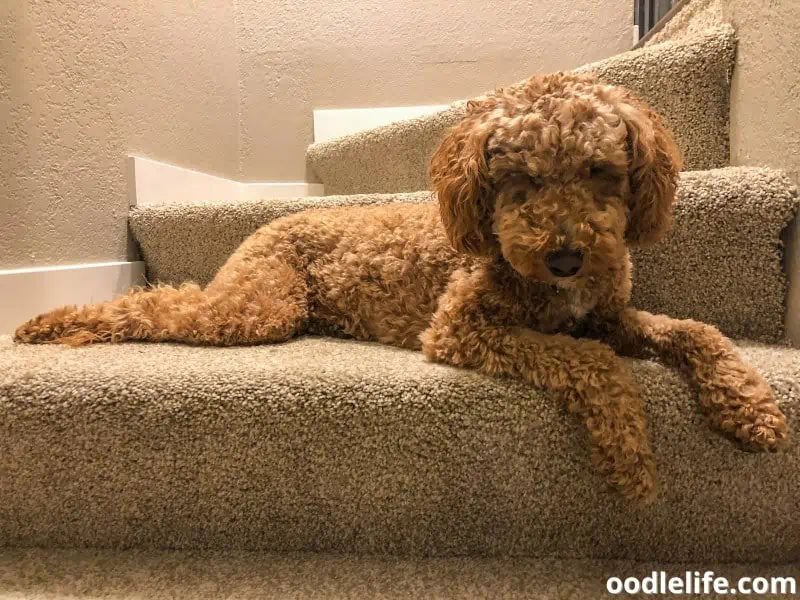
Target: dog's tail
{"x":164,"y":313}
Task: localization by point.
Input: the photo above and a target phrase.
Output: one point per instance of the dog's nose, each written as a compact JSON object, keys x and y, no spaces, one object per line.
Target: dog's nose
{"x":565,"y":262}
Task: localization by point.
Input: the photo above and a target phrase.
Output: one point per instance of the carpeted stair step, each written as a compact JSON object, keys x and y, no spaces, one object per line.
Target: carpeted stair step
{"x":687,"y":82}
{"x":723,"y":263}
{"x":337,"y":446}
{"x":135,"y":575}
{"x":347,"y":447}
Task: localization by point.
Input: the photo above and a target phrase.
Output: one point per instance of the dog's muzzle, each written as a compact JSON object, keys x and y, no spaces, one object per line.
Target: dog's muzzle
{"x":565,"y":262}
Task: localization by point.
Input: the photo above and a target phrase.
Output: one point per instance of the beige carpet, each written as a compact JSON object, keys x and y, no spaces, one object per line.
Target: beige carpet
{"x":142,"y":575}
{"x":688,"y":82}
{"x":724,"y":217}
{"x":337,"y":446}
{"x":190,"y":242}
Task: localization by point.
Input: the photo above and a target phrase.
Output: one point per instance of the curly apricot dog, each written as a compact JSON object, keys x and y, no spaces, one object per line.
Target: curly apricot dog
{"x":521,"y":271}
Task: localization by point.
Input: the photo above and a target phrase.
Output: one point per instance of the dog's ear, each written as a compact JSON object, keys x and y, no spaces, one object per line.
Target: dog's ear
{"x":459,"y":174}
{"x":654,"y":165}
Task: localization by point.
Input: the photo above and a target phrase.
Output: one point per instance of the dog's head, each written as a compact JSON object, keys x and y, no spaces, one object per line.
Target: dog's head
{"x":558,"y":175}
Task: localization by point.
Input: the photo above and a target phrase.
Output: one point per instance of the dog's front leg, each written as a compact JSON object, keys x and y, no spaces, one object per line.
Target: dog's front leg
{"x":587,"y":374}
{"x":736,"y":398}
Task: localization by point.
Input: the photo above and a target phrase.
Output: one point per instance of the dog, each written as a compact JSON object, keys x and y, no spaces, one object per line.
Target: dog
{"x":521,"y":270}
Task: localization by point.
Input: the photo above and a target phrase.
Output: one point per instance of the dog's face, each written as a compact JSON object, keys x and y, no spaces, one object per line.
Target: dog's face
{"x":558,"y":176}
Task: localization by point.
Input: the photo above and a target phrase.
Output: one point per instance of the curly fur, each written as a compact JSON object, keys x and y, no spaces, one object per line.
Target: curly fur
{"x":561,"y":160}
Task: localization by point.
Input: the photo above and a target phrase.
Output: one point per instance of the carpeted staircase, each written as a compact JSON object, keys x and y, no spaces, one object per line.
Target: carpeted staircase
{"x":686,"y":82}
{"x":329,"y":469}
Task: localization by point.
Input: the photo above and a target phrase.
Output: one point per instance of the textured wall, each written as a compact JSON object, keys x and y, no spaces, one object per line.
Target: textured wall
{"x":228,"y":86}
{"x":765,"y":91}
{"x":765,"y":94}
{"x":84,"y":83}
{"x":306,"y":54}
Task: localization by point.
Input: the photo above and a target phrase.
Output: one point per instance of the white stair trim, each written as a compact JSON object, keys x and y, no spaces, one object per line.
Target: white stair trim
{"x":330,"y":123}
{"x":25,"y":293}
{"x":152,"y":182}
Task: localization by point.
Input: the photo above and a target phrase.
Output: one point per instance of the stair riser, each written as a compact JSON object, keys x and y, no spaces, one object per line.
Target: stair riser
{"x":415,"y":459}
{"x":721,"y":264}
{"x":687,"y":83}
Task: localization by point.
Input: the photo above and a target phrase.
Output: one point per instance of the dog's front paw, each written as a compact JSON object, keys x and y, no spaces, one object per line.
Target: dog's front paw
{"x":633,"y":476}
{"x":745,"y":408}
{"x":760,"y":424}
{"x":768,"y":431}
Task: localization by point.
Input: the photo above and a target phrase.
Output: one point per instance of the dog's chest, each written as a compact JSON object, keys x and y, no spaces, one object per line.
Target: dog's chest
{"x":559,"y":311}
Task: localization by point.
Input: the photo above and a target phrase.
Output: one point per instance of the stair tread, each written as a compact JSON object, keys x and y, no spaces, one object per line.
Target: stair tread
{"x":335,"y":445}
{"x":34,"y":574}
{"x":723,"y":217}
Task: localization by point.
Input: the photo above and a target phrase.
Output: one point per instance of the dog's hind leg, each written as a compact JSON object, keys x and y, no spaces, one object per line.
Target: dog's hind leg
{"x":253,"y":300}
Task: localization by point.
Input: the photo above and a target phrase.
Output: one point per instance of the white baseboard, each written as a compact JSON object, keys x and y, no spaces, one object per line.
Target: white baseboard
{"x":151,"y":182}
{"x":26,"y":293}
{"x":330,"y":123}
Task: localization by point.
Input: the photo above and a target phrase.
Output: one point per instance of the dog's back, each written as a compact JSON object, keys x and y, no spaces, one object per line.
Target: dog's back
{"x":372,"y":272}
